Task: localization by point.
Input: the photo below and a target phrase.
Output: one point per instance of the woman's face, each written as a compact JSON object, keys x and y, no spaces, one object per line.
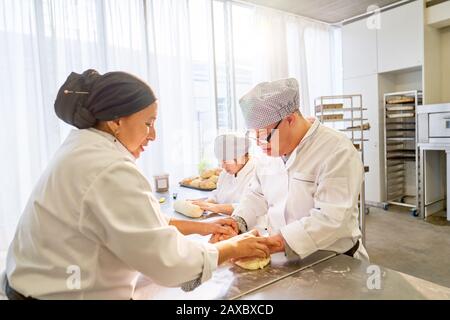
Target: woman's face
{"x":234,"y":166}
{"x":136,"y":130}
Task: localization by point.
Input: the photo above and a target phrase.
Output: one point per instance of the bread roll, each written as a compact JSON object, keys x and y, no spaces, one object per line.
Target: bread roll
{"x":196,"y":183}
{"x":188,"y":181}
{"x":207,"y":174}
{"x":207,"y":184}
{"x":214,"y":179}
{"x":252,"y":263}
{"x":187,"y":208}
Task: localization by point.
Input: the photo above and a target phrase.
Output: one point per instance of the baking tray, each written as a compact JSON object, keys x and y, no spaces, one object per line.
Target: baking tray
{"x":400,"y":115}
{"x":194,"y":188}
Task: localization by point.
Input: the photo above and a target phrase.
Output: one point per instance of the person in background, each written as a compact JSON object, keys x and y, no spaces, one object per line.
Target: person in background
{"x":307,"y":189}
{"x":232,"y":151}
{"x":92,"y":226}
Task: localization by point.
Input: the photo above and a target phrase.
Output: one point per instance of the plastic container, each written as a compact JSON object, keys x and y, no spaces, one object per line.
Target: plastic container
{"x":162,"y":183}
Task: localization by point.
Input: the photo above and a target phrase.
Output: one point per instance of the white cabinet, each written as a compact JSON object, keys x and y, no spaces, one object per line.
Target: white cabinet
{"x":359,"y":49}
{"x":367,"y":86}
{"x":400,"y":38}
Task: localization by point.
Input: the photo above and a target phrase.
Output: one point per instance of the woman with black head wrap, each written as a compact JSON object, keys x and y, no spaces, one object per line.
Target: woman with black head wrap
{"x":91,"y":224}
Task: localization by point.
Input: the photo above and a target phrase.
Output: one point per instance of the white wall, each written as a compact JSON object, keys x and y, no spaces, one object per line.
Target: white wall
{"x":367,"y":86}
{"x":445,"y":65}
{"x":400,"y":37}
{"x":359,"y":47}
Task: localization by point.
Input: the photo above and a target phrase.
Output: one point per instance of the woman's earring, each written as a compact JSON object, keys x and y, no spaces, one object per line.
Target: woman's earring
{"x":116,"y":133}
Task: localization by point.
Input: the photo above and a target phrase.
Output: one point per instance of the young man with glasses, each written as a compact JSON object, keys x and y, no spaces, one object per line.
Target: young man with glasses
{"x":306,"y":192}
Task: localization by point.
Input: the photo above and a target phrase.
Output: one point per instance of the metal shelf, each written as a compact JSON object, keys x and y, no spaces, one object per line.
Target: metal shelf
{"x":399,"y":132}
{"x":341,"y":109}
{"x":401,"y":138}
{"x":341,"y":120}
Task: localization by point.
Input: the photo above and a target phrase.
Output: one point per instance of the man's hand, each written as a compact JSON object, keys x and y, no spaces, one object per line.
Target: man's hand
{"x":276,"y":243}
{"x":228,"y":223}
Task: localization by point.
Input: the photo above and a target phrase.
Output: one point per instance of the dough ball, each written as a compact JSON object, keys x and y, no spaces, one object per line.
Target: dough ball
{"x":187,"y":208}
{"x":214,"y":179}
{"x":207,"y":174}
{"x":196,"y":183}
{"x":252,"y":263}
{"x":207,"y":184}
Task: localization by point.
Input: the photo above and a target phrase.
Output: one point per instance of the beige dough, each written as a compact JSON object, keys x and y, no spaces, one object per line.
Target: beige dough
{"x":187,"y":208}
{"x":252,"y":263}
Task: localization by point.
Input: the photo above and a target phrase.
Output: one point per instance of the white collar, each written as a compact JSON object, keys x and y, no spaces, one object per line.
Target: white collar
{"x":116,"y":143}
{"x":311,"y":131}
{"x":246,"y":169}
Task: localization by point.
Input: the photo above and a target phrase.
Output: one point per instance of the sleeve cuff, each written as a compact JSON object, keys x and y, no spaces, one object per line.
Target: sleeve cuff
{"x":242,"y":225}
{"x":167,"y":218}
{"x":298,"y":239}
{"x":210,"y":262}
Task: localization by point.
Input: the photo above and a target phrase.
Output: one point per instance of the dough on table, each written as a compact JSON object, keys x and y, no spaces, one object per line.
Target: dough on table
{"x":187,"y":208}
{"x":252,"y":263}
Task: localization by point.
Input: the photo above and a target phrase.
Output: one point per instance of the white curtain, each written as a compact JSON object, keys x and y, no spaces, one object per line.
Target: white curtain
{"x":168,"y":43}
{"x":284,"y":45}
{"x":42,"y":41}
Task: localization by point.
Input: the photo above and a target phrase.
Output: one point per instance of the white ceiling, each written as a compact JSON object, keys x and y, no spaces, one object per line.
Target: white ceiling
{"x":331,"y":11}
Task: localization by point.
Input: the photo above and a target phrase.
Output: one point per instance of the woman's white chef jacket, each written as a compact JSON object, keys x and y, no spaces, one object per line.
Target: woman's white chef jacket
{"x":312,"y":199}
{"x":93,"y":211}
{"x":230,"y":187}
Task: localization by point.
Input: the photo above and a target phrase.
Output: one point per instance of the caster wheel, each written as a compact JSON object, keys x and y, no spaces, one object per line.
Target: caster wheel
{"x":402,"y":200}
{"x":385,"y":206}
{"x":367,"y":211}
{"x":414,"y":213}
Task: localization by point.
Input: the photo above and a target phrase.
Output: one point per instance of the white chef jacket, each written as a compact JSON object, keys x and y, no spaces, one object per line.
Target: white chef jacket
{"x":93,"y":209}
{"x":230,"y":187}
{"x":312,"y":199}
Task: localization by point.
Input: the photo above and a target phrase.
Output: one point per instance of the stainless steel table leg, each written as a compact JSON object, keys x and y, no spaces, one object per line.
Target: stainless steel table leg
{"x":447,"y":153}
{"x":422,"y":183}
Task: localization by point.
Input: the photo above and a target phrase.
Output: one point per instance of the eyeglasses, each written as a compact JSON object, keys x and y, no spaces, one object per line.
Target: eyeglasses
{"x":269,"y":136}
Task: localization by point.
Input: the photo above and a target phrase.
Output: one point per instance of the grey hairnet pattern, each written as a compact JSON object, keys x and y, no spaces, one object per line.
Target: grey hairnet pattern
{"x":269,"y":102}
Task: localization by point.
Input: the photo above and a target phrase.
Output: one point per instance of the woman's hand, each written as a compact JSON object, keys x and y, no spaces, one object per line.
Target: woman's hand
{"x":245,"y":245}
{"x":214,"y":207}
{"x":207,"y":206}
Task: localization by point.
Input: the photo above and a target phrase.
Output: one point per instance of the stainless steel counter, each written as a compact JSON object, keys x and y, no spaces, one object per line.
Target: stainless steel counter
{"x":322,"y":275}
{"x":346,"y":278}
{"x":232,"y":282}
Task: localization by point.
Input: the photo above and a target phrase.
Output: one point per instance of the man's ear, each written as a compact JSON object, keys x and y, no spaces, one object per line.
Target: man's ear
{"x":291,"y":119}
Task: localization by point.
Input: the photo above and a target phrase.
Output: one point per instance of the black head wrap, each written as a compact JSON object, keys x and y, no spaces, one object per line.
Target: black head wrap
{"x":87,"y":98}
